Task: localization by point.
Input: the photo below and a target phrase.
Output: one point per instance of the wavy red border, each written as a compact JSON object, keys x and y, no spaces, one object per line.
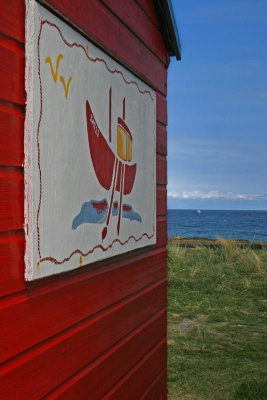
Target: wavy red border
{"x":115,"y":71}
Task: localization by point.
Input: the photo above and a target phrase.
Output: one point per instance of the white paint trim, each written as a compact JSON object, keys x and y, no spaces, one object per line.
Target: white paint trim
{"x":28,"y":130}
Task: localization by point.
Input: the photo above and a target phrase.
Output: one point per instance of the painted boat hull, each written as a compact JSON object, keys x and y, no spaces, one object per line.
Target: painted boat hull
{"x":103,"y":158}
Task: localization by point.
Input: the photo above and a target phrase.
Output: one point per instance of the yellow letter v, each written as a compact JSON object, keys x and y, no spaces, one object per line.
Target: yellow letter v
{"x":66,"y":88}
{"x":48,"y":60}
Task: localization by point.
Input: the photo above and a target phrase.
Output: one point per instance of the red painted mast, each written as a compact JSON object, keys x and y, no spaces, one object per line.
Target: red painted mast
{"x":110,"y":94}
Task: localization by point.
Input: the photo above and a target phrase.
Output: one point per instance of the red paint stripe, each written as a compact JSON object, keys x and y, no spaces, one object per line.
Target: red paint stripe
{"x":118,"y":181}
{"x":113,"y":188}
{"x":100,"y":206}
{"x":99,"y":246}
{"x":121,"y":190}
{"x":110,"y":98}
{"x":38,"y":142}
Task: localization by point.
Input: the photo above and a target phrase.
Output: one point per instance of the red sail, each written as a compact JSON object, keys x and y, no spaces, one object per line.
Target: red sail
{"x":103,"y":158}
{"x":101,"y":154}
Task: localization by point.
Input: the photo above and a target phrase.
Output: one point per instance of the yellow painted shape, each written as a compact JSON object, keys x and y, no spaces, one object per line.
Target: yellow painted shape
{"x":54,"y":74}
{"x":121,"y":143}
{"x":38,"y":265}
{"x":66,"y":88}
{"x":124,"y":145}
{"x":87,"y":49}
{"x":81,"y":261}
{"x":129,"y":149}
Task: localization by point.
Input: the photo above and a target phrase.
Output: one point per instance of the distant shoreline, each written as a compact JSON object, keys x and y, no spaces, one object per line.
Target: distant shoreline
{"x":228,"y":224}
{"x":200,"y":241}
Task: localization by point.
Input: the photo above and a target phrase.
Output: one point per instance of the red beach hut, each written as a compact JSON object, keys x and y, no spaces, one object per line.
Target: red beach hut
{"x":97,"y":331}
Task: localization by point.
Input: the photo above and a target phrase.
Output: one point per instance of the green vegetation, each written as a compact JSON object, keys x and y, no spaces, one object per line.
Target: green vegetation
{"x":217,"y":322}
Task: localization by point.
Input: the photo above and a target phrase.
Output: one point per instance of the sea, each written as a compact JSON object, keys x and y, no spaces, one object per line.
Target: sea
{"x":227,"y":224}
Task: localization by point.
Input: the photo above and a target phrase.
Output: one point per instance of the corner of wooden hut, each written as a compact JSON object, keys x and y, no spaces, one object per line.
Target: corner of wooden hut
{"x":98,"y":331}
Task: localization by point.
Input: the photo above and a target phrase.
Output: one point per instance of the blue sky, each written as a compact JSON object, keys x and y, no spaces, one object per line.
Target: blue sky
{"x":217,"y":106}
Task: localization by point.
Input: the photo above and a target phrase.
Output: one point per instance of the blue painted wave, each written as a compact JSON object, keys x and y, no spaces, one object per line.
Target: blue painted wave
{"x":127,"y":212}
{"x":94,"y":212}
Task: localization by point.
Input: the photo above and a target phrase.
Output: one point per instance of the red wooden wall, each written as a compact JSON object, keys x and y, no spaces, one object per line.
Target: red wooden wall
{"x":99,"y":332}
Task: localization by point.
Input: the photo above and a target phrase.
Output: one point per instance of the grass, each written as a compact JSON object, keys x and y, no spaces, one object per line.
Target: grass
{"x":217,"y":322}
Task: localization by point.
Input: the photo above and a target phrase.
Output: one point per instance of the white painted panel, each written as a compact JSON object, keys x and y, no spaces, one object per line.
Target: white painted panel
{"x":78,"y":207}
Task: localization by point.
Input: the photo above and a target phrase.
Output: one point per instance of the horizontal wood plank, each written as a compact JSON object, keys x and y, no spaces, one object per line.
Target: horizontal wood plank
{"x":12,"y":19}
{"x":49,"y":308}
{"x":134,"y":384}
{"x":161,"y":200}
{"x":11,"y":199}
{"x":134,"y":17}
{"x":11,"y":71}
{"x":161,"y":168}
{"x":11,"y":262}
{"x":11,"y":135}
{"x":161,"y":106}
{"x":101,"y":375}
{"x":50,"y":364}
{"x":161,"y":139}
{"x":99,"y":24}
{"x":157,"y":388}
{"x":149,"y":8}
{"x":161,"y":232}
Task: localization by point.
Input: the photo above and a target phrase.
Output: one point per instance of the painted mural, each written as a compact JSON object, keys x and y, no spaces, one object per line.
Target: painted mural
{"x":89,"y":151}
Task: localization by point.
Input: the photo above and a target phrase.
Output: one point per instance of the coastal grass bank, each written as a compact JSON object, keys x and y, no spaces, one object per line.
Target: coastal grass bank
{"x":217,"y":321}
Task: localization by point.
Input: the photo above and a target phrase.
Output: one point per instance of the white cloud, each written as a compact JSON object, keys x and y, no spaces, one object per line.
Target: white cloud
{"x":213,"y":194}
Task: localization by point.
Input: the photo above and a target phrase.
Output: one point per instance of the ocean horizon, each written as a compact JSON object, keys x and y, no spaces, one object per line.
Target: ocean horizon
{"x":228,"y":224}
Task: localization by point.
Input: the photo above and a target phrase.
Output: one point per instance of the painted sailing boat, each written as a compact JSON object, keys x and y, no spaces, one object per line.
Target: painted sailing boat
{"x":113,"y":170}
